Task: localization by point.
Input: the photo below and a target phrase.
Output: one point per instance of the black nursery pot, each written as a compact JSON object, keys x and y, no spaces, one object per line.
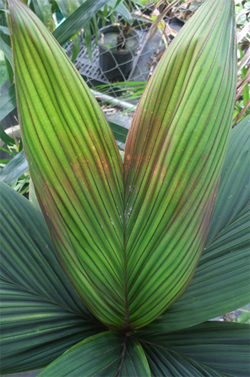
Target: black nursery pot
{"x":110,"y":58}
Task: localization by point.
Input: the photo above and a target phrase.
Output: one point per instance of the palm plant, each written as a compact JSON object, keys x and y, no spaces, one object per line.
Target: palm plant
{"x":140,"y":273}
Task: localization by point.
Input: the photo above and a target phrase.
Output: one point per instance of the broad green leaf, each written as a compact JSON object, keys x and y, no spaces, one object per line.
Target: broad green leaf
{"x":7,"y":102}
{"x":41,"y":316}
{"x":14,"y":169}
{"x":77,"y":20}
{"x":173,"y":158}
{"x":221,"y":281}
{"x":234,"y":191}
{"x":164,"y":362}
{"x":75,"y":166}
{"x":221,"y":346}
{"x":105,"y":354}
{"x":34,"y":331}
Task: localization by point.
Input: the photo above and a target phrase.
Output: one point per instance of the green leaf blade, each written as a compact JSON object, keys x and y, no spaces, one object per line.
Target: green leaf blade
{"x":122,"y":10}
{"x":217,"y":347}
{"x":41,"y":315}
{"x":173,"y":157}
{"x":75,"y":166}
{"x":234,"y":191}
{"x":34,"y":332}
{"x":221,"y":281}
{"x":163,"y":362}
{"x":105,"y":354}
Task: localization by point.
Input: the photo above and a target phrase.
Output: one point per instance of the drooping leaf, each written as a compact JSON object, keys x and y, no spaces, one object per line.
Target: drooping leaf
{"x":105,"y":354}
{"x":121,"y":9}
{"x":221,"y":281}
{"x":173,"y":158}
{"x":41,"y":315}
{"x":14,"y":169}
{"x":75,"y":166}
{"x":77,"y":20}
{"x":224,"y":347}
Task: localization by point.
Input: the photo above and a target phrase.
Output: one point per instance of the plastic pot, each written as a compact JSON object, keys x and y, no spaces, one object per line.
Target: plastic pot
{"x":117,"y":63}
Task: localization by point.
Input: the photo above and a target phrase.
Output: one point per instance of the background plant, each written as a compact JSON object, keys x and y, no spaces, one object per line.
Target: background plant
{"x":184,"y":10}
{"x":50,"y":317}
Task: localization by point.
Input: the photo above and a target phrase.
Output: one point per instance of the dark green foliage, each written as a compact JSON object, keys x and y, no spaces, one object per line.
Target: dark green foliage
{"x":111,"y":287}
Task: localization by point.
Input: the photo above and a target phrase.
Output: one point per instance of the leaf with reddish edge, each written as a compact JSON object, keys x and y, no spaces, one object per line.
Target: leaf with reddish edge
{"x":173,"y":158}
{"x":74,"y":163}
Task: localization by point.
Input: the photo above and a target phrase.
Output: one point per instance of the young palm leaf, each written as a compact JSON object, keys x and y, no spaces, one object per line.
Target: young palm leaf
{"x":130,"y":248}
{"x":173,"y":159}
{"x":74,"y":163}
